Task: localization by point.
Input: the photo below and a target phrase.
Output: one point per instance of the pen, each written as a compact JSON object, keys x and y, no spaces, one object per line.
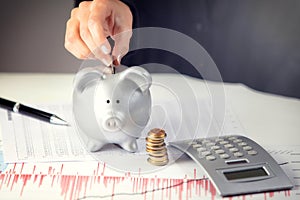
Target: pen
{"x":31,"y":112}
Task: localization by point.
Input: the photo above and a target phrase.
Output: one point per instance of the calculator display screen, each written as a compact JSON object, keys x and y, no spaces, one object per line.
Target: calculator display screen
{"x":248,"y":173}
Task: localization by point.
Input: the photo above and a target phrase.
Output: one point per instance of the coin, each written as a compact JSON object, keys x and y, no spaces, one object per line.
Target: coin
{"x":156,"y":147}
{"x":150,"y":149}
{"x":155,"y":140}
{"x":158,"y":158}
{"x":161,"y":152}
{"x":157,"y":154}
{"x":160,"y":163}
{"x":151,"y":145}
{"x":156,"y":133}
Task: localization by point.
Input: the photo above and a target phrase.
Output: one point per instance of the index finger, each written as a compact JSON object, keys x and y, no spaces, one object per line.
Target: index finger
{"x":97,"y":23}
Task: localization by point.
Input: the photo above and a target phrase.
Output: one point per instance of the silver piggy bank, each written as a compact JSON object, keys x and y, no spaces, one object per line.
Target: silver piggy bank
{"x":111,"y":108}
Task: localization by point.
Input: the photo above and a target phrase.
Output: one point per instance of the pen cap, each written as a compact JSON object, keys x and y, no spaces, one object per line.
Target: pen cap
{"x":7,"y":104}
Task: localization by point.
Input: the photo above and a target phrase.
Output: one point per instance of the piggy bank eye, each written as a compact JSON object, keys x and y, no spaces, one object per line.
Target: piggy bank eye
{"x":107,"y":101}
{"x":118,"y":101}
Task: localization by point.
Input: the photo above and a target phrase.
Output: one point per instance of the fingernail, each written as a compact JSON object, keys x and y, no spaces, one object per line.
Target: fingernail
{"x":104,"y":49}
{"x":107,"y":70}
{"x":106,"y":62}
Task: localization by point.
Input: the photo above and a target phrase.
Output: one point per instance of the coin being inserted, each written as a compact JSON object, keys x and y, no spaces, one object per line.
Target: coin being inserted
{"x":156,"y":147}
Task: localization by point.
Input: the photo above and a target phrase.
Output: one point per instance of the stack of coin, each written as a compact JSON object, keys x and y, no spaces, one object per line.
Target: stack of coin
{"x":156,"y":147}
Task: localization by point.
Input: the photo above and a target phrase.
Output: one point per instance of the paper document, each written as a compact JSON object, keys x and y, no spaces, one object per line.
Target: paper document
{"x":26,"y":139}
{"x":92,"y":180}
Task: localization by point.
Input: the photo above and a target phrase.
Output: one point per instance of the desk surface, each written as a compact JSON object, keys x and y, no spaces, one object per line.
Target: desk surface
{"x":268,"y":119}
{"x":261,"y":115}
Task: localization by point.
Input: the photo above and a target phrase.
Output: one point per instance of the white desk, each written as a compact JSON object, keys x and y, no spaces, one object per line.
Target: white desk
{"x":262,"y":116}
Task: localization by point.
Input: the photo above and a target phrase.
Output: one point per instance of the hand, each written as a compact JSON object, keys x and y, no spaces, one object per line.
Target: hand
{"x":91,"y":23}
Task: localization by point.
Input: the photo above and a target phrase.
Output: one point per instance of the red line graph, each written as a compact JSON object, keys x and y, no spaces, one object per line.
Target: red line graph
{"x":74,"y":185}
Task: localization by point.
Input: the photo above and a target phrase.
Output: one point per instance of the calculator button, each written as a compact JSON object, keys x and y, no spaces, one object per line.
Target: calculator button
{"x":200,"y":149}
{"x":193,"y":142}
{"x":224,"y":142}
{"x":234,"y":149}
{"x":204,"y":141}
{"x":232,"y":138}
{"x":219,"y":151}
{"x":224,"y":156}
{"x":210,"y":158}
{"x":242,"y":144}
{"x":215,"y":147}
{"x":252,"y":152}
{"x":197,"y":146}
{"x":228,"y":145}
{"x":205,"y":153}
{"x":219,"y":139}
{"x":210,"y":144}
{"x":238,"y":154}
{"x":247,"y":148}
{"x":237,"y":140}
{"x":199,"y":140}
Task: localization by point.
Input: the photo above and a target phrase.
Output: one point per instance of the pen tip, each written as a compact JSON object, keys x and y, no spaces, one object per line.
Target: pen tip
{"x":56,"y":120}
{"x":65,"y":124}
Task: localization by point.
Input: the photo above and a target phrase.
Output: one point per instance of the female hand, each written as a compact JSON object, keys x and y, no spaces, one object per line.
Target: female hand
{"x":91,"y":23}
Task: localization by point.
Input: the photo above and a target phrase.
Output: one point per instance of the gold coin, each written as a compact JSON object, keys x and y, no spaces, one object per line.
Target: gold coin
{"x":157,"y":133}
{"x":159,"y":158}
{"x":156,"y":137}
{"x":151,"y":144}
{"x":162,"y":144}
{"x":149,"y":140}
{"x":156,"y":144}
{"x":158,"y":153}
{"x":156,"y":148}
{"x":156,"y":130}
{"x":160,"y":134}
{"x":162,"y":163}
{"x":153,"y":151}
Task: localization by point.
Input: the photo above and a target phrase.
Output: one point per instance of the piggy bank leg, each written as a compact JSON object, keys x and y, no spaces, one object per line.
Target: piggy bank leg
{"x":129,"y":145}
{"x":93,"y":145}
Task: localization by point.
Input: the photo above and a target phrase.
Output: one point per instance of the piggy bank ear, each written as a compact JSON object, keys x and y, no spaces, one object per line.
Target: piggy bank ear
{"x":138,"y":75}
{"x":87,"y":76}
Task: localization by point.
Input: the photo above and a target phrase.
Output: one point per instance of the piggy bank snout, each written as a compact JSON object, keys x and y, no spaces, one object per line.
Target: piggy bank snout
{"x":113,"y":122}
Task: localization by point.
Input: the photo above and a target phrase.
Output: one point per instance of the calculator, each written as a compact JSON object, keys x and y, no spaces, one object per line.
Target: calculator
{"x":236,"y":164}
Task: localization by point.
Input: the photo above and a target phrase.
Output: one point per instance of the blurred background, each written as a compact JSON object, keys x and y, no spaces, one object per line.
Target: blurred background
{"x":255,"y":42}
{"x":32,"y":36}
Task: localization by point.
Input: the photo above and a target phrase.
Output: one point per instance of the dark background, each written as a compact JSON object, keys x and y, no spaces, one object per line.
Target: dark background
{"x":255,"y":42}
{"x":32,"y":36}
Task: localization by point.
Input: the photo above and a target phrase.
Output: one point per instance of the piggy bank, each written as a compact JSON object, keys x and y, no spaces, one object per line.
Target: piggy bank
{"x":111,"y":108}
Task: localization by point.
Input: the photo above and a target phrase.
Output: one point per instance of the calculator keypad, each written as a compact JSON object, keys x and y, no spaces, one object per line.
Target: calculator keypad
{"x":222,"y":147}
{"x":225,"y":155}
{"x":211,"y":158}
